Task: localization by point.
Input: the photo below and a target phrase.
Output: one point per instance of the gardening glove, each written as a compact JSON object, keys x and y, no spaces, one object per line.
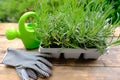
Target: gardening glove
{"x":26,"y":73}
{"x":28,"y":63}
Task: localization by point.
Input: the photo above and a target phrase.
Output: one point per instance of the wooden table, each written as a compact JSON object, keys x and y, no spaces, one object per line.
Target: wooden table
{"x":107,"y":67}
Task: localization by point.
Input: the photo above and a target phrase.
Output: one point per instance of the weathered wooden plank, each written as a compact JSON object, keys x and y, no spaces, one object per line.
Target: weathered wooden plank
{"x":117,"y":31}
{"x":5,"y":26}
{"x":69,"y":73}
{"x":4,"y":43}
{"x":85,"y":73}
{"x":111,"y":59}
{"x":8,"y":73}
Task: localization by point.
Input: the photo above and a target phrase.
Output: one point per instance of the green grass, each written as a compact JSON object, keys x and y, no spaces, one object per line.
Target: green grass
{"x":74,"y":23}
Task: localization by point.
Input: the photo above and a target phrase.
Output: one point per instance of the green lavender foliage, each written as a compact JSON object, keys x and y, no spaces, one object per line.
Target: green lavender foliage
{"x":74,"y":23}
{"x":116,"y":9}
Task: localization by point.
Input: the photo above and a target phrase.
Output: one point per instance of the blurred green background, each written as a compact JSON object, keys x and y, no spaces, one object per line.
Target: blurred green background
{"x":11,"y":10}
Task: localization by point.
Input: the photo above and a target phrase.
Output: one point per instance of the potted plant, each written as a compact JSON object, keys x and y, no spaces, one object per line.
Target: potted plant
{"x":74,"y":27}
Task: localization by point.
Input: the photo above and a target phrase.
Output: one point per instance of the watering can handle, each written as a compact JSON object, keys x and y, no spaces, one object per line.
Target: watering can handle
{"x":23,"y":18}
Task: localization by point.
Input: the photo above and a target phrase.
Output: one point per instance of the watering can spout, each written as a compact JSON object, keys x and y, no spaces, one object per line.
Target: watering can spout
{"x":11,"y":33}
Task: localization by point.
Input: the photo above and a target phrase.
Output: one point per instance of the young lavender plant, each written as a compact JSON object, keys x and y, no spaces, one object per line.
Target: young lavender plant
{"x":75,"y":24}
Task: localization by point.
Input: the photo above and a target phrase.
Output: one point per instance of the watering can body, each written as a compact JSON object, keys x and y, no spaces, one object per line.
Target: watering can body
{"x":25,"y":31}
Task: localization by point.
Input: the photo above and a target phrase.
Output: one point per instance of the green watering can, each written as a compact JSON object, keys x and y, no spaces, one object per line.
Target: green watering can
{"x":25,"y":31}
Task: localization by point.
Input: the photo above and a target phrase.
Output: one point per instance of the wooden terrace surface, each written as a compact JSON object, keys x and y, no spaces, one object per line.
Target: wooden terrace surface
{"x":107,"y":67}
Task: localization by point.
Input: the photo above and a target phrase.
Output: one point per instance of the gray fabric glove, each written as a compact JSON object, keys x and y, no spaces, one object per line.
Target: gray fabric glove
{"x":26,"y":73}
{"x":28,"y":64}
